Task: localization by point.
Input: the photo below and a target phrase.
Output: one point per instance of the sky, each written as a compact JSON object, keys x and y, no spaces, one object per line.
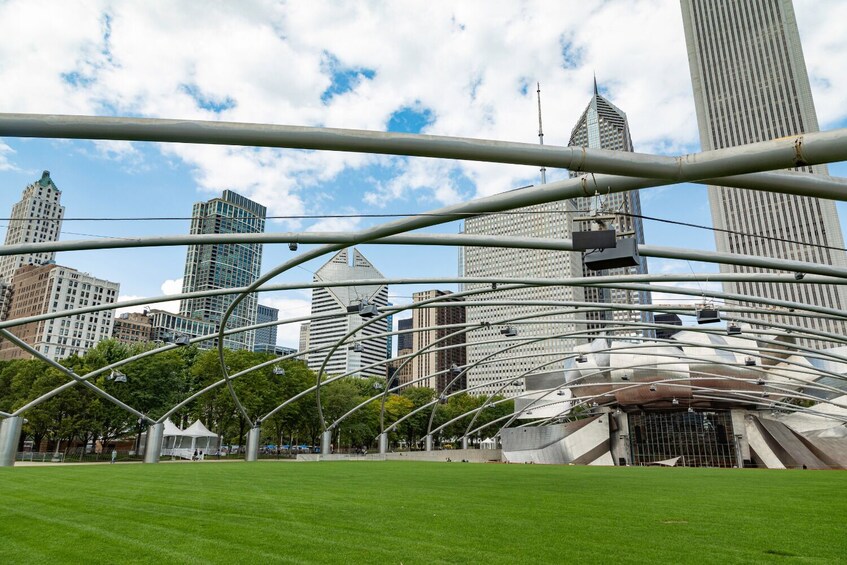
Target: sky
{"x":464,"y":69}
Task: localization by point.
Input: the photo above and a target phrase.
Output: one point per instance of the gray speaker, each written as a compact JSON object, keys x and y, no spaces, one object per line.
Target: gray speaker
{"x":708,"y":316}
{"x":624,"y":254}
{"x":588,"y":240}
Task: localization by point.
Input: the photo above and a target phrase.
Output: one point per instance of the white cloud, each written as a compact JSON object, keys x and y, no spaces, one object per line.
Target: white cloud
{"x":335,"y":225}
{"x":172,"y":286}
{"x":668,"y":298}
{"x":288,"y":335}
{"x":473,"y":69}
{"x":5,"y":163}
{"x":824,"y":45}
{"x":169,"y":287}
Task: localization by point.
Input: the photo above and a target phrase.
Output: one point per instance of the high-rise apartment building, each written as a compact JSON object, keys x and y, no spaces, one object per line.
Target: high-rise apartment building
{"x":266,"y":337}
{"x":750,"y":84}
{"x":431,"y":330}
{"x":36,"y":218}
{"x":217,"y":266}
{"x":340,"y":305}
{"x":43,"y":289}
{"x":604,"y":126}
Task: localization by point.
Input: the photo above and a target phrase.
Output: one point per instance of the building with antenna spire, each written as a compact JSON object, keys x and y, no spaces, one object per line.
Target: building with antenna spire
{"x":604,"y":126}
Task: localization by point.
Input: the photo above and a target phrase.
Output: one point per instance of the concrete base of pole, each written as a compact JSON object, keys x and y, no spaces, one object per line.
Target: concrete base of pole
{"x":10,"y":436}
{"x":464,"y":442}
{"x":326,"y":443}
{"x":383,"y":443}
{"x":428,"y":442}
{"x":253,"y":444}
{"x":153,"y":444}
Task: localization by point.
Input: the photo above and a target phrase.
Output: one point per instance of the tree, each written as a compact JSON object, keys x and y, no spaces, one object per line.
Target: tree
{"x":416,"y":426}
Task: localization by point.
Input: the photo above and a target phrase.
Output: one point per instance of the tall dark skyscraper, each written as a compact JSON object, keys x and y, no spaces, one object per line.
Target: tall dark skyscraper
{"x":750,"y":84}
{"x":209,"y":267}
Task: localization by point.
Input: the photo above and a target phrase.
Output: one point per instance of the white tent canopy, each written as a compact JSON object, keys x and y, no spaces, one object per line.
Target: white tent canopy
{"x":197,"y":429}
{"x":195,"y":439}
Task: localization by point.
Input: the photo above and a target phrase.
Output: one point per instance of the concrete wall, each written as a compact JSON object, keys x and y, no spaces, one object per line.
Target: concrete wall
{"x":470,"y":455}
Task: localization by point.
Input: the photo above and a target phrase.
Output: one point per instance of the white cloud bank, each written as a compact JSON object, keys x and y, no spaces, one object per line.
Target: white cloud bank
{"x":472,"y":67}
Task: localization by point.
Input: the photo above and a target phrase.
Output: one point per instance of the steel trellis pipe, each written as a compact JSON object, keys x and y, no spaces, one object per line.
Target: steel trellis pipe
{"x":789,"y":152}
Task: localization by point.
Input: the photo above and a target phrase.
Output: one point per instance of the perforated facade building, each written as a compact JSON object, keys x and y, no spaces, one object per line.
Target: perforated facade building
{"x":602,"y":125}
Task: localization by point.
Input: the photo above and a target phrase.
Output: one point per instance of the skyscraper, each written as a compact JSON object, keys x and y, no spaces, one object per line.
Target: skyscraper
{"x":266,"y":337}
{"x":211,"y":267}
{"x":604,"y":126}
{"x":355,"y":357}
{"x":36,"y":218}
{"x":491,"y":367}
{"x":444,"y":352}
{"x":750,"y":84}
{"x":404,"y":341}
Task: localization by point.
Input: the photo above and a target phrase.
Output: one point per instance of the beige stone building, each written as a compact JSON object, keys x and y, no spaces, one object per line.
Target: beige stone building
{"x":51,"y":288}
{"x":133,"y":327}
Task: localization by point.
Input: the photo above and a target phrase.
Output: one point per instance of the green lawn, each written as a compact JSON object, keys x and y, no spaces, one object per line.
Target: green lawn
{"x":398,"y":512}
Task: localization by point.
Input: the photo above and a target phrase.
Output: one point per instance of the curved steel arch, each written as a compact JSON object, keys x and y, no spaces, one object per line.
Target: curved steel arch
{"x":820,"y":147}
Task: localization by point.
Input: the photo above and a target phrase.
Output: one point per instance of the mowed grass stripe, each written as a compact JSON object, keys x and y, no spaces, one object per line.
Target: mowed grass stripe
{"x":393,"y":512}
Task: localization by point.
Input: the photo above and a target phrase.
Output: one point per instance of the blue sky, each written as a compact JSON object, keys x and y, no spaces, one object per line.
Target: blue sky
{"x":461,"y":70}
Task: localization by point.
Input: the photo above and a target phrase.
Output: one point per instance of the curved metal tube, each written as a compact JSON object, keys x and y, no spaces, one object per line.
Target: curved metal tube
{"x":819,"y":147}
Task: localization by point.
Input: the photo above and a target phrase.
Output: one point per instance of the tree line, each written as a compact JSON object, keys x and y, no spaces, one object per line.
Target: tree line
{"x":77,"y":417}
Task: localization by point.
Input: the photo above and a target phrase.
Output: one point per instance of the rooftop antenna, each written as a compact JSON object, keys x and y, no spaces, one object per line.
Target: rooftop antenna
{"x":541,"y":133}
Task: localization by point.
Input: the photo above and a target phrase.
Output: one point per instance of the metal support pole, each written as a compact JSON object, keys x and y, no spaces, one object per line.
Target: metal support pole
{"x":739,"y":453}
{"x":428,"y":442}
{"x":464,"y":442}
{"x":153,"y":444}
{"x":10,"y":436}
{"x":383,"y":443}
{"x":326,"y":442}
{"x":253,"y":443}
